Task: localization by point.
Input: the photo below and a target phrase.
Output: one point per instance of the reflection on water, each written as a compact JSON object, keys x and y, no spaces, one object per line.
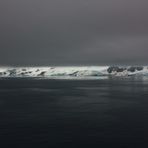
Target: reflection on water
{"x":52,"y":113}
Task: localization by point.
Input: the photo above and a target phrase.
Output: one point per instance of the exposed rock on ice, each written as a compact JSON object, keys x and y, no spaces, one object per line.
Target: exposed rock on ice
{"x":95,"y":71}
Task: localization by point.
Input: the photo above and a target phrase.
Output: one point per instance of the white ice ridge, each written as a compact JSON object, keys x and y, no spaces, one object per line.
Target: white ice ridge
{"x":73,"y":71}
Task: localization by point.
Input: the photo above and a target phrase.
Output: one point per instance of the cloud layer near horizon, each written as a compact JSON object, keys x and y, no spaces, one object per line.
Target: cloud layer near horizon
{"x":73,"y":32}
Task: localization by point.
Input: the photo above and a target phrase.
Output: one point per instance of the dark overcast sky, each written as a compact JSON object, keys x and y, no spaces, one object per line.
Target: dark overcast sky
{"x":73,"y":32}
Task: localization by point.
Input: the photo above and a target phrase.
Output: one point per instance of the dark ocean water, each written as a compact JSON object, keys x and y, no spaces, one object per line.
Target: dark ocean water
{"x":75,"y":113}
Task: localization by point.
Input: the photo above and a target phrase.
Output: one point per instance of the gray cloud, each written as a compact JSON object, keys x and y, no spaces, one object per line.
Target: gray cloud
{"x":73,"y":32}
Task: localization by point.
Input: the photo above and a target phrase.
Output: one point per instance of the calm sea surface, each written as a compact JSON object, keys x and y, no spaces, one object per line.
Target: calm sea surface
{"x":75,"y":113}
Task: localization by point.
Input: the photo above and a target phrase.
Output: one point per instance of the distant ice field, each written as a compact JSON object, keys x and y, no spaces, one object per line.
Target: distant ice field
{"x":74,"y":72}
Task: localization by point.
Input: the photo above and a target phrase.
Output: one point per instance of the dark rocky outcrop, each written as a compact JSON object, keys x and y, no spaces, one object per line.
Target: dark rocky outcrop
{"x":74,"y":73}
{"x":3,"y":73}
{"x":12,"y":72}
{"x":131,"y":69}
{"x":37,"y":70}
{"x":121,"y":69}
{"x":23,"y":69}
{"x":42,"y":73}
{"x":115,"y":69}
{"x":24,"y":73}
{"x":134,"y":68}
{"x":139,"y":68}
